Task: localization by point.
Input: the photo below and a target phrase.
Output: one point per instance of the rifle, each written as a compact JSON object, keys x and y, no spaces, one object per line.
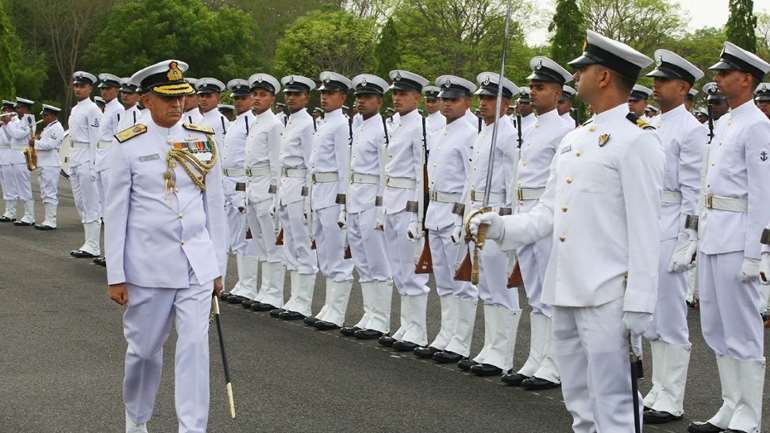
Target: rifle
{"x":425,"y":262}
{"x":711,"y":123}
{"x":348,"y":254}
{"x":515,"y":279}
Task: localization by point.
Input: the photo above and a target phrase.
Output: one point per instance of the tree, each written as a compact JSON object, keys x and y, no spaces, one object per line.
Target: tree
{"x":335,"y":41}
{"x":763,"y":35}
{"x":643,"y":24}
{"x":701,"y":47}
{"x":568,"y":27}
{"x":221,"y":43}
{"x":7,"y":52}
{"x":386,"y":53}
{"x":741,"y":25}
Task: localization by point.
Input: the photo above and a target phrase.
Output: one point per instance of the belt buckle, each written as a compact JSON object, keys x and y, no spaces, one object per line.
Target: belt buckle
{"x":313,"y":180}
{"x":520,"y":194}
{"x":433,"y":196}
{"x":248,"y":171}
{"x":387,"y":180}
{"x":710,"y":201}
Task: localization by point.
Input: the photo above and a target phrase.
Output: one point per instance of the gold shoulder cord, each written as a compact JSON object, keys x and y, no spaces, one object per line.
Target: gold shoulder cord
{"x":189,"y":162}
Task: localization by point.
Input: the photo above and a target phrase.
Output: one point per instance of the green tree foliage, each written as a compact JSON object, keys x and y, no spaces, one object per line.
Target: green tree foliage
{"x":23,"y":70}
{"x":741,"y":24}
{"x":386,"y":53}
{"x":336,"y":41}
{"x":568,"y":26}
{"x":8,"y":53}
{"x":222,"y":43}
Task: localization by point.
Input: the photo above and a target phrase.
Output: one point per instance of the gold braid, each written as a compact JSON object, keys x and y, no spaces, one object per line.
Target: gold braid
{"x":188,"y":161}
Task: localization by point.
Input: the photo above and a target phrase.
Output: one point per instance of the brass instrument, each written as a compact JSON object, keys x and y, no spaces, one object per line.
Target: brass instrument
{"x":30,"y":154}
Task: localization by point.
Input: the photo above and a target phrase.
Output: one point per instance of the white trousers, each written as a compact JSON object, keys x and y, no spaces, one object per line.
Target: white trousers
{"x":101,"y":185}
{"x":8,"y":182}
{"x":591,"y":350}
{"x":330,"y":245}
{"x":670,"y":319}
{"x":729,"y":308}
{"x":533,"y":260}
{"x":446,"y":255}
{"x":85,"y":192}
{"x":146,"y":326}
{"x":262,"y":226}
{"x":49,"y":185}
{"x":403,"y":254}
{"x":23,"y":181}
{"x":367,"y":246}
{"x":296,"y":239}
{"x":494,"y":269}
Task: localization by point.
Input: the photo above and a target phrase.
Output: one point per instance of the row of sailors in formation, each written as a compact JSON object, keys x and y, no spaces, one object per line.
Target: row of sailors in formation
{"x":357,"y":184}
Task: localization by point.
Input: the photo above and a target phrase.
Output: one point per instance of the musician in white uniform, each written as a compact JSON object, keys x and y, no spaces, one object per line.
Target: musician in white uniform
{"x":20,"y":131}
{"x":47,"y":147}
{"x":7,"y":181}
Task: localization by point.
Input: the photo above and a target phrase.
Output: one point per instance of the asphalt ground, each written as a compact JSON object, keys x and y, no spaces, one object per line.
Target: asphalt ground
{"x":62,"y":348}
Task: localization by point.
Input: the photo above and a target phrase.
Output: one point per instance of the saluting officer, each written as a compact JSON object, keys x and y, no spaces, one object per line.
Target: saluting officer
{"x":403,"y":202}
{"x":234,"y":169}
{"x":501,"y":305}
{"x":448,"y":168}
{"x":365,"y":211}
{"x":263,"y":173}
{"x":84,"y":128}
{"x":602,"y":197}
{"x":684,"y":142}
{"x":329,"y":171}
{"x":209,"y":93}
{"x":165,"y":241}
{"x":737,"y":192}
{"x":47,"y":147}
{"x":293,"y":193}
{"x":540,"y":144}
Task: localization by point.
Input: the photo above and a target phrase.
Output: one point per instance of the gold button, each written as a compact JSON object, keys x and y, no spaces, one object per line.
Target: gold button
{"x":182,"y":242}
{"x":578,"y":153}
{"x":179,"y":216}
{"x":564,"y":210}
{"x":568,"y":179}
{"x":562,"y":238}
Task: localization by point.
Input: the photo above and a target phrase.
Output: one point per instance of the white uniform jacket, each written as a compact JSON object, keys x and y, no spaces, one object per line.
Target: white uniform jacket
{"x":214,"y":120}
{"x":130,"y":117}
{"x":84,"y":125}
{"x":505,"y":159}
{"x":233,"y":153}
{"x":330,"y":154}
{"x":47,"y":146}
{"x":110,"y":121}
{"x":18,"y":133}
{"x":367,"y":158}
{"x":403,"y":160}
{"x":263,"y":147}
{"x":296,"y":145}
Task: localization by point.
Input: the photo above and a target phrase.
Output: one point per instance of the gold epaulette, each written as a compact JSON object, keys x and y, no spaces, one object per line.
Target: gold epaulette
{"x":130,"y":132}
{"x":633,"y":118}
{"x":198,"y":128}
{"x":587,"y":122}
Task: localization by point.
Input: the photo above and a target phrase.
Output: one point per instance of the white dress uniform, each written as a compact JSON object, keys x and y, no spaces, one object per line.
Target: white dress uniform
{"x":501,"y":305}
{"x":737,"y":194}
{"x":213,"y":118}
{"x":329,"y":171}
{"x":130,"y":117}
{"x":47,"y":147}
{"x":84,"y":123}
{"x":296,"y":146}
{"x":192,"y":115}
{"x":684,"y":141}
{"x":603,"y":196}
{"x":109,"y":127}
{"x":402,"y":199}
{"x":365,"y":212}
{"x":526,"y":121}
{"x":6,"y":179}
{"x":166,"y":242}
{"x":263,"y":171}
{"x":434,"y":123}
{"x":19,"y":131}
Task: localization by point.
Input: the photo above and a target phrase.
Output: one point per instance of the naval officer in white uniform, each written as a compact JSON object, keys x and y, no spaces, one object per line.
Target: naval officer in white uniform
{"x":47,"y":147}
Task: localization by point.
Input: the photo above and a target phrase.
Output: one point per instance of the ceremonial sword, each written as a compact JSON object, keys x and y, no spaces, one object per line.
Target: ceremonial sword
{"x":228,"y":384}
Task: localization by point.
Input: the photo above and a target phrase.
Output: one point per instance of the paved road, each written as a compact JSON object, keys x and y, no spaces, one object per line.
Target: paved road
{"x":61,"y":355}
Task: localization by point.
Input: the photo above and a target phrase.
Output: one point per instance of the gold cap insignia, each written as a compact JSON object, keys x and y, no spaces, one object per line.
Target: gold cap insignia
{"x":603,"y":139}
{"x":174,"y":74}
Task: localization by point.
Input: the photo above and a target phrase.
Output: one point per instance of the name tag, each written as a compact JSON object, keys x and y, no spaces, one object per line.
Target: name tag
{"x":151,"y":157}
{"x":566,"y":149}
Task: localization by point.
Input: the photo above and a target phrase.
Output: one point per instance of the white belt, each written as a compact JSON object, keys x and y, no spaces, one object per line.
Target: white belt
{"x":400,"y":182}
{"x":19,"y":148}
{"x":371,"y":179}
{"x":325,"y":177}
{"x":671,"y":197}
{"x":80,"y":144}
{"x":445,"y":197}
{"x":234,"y":172}
{"x":494,"y":197}
{"x":258,"y":171}
{"x":102,"y":145}
{"x":4,"y":146}
{"x":293,"y":172}
{"x":526,"y":194}
{"x":729,"y":204}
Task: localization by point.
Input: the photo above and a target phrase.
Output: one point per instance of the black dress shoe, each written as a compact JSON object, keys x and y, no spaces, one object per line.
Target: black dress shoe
{"x":513,"y":379}
{"x":535,"y":384}
{"x":248,"y":303}
{"x":277,"y":312}
{"x":101,"y":261}
{"x":349,"y":331}
{"x":368,"y":334}
{"x":5,"y":219}
{"x":262,"y":307}
{"x":446,"y":357}
{"x":465,"y":364}
{"x":734,"y":431}
{"x":404,"y":346}
{"x":224,"y":296}
{"x":310,"y":321}
{"x":323,"y":325}
{"x":486,"y":370}
{"x":425,"y":352}
{"x":703,"y":427}
{"x":386,"y":340}
{"x":21,"y":223}
{"x":44,"y":228}
{"x":659,"y":417}
{"x":80,"y":254}
{"x":291,"y":315}
{"x":236,"y":299}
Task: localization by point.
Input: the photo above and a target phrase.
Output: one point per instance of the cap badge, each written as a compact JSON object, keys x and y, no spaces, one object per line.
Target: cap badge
{"x":363,"y":82}
{"x":291,"y":80}
{"x":660,"y":60}
{"x":174,"y":74}
{"x":486,"y":81}
{"x":397,"y":77}
{"x":539,"y":65}
{"x":603,"y":139}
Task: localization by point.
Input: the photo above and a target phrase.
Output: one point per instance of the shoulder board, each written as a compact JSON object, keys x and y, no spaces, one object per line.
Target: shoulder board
{"x":198,"y":128}
{"x":638,"y":122}
{"x":130,"y":132}
{"x":587,"y":122}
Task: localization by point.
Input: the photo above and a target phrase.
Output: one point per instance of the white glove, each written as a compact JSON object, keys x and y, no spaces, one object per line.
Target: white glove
{"x":636,"y":323}
{"x":342,"y":218}
{"x":749,"y":270}
{"x":683,"y":257}
{"x":764,"y":269}
{"x":413,"y":232}
{"x":379,"y":218}
{"x":457,"y":234}
{"x":494,"y":224}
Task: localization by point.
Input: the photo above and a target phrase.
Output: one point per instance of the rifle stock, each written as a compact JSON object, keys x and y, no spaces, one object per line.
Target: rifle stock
{"x":463,"y":272}
{"x":515,"y":279}
{"x":425,"y":262}
{"x":279,"y":238}
{"x":348,"y":253}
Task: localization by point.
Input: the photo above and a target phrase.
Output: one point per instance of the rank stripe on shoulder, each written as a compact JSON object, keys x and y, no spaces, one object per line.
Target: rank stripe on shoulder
{"x":633,"y":118}
{"x":197,"y":128}
{"x":131,"y":132}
